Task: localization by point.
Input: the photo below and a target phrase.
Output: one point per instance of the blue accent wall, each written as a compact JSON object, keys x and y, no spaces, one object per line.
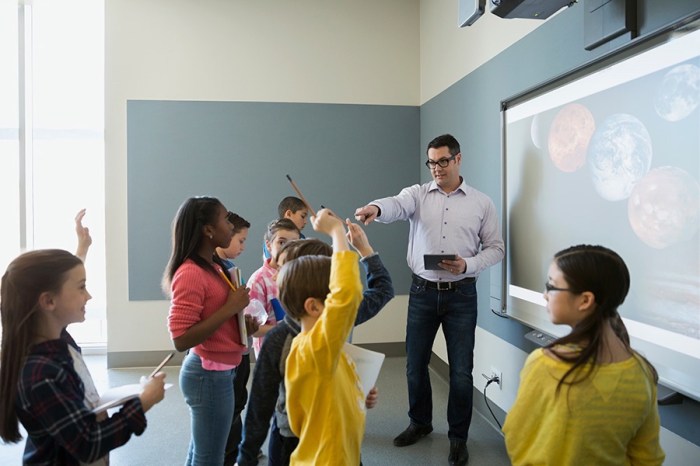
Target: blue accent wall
{"x":340,"y":156}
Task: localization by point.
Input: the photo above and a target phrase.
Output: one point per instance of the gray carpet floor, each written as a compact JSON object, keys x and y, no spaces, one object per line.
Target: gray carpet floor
{"x":166,"y":439}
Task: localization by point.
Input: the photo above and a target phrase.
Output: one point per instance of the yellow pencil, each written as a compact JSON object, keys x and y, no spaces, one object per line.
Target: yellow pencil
{"x":223,"y":274}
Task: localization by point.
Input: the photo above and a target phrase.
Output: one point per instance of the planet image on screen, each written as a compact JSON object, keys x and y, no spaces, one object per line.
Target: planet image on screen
{"x":569,"y":135}
{"x":619,"y":155}
{"x":679,"y":93}
{"x":664,"y":207}
{"x":538,"y":131}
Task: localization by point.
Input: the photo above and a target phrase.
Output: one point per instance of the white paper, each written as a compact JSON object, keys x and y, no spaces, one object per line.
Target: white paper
{"x":243,"y":333}
{"x":119,"y":395}
{"x":367,"y":363}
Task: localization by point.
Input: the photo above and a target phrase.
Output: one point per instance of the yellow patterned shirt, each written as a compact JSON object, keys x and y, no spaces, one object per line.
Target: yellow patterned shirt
{"x":610,"y":418}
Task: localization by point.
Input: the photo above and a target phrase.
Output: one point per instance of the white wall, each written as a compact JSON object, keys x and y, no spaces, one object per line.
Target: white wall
{"x":448,"y":53}
{"x":359,"y":51}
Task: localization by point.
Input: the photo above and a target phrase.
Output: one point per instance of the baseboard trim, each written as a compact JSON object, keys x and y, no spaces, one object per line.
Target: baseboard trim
{"x":390,"y":350}
{"x":124,"y":359}
{"x":117,"y":360}
{"x":442,"y":370}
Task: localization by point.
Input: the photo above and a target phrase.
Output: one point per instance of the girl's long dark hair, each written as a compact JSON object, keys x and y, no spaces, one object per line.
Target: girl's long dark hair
{"x":602,"y":272}
{"x":26,"y":278}
{"x":190,"y":219}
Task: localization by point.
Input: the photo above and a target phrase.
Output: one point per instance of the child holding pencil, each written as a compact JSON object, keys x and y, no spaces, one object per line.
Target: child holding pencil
{"x":267,"y":394}
{"x":325,"y":402}
{"x":45,"y":383}
{"x":203,"y":319}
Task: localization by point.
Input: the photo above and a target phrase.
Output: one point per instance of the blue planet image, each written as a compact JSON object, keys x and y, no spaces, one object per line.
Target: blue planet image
{"x":619,"y":155}
{"x":679,"y":93}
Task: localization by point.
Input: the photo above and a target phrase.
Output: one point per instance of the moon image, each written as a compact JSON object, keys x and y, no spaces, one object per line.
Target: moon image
{"x":538,"y":132}
{"x":664,"y":207}
{"x":619,"y":155}
{"x":679,"y":93}
{"x":569,"y":135}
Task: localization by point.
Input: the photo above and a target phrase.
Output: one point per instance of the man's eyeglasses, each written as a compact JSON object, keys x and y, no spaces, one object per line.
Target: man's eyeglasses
{"x":548,"y":288}
{"x":442,"y":162}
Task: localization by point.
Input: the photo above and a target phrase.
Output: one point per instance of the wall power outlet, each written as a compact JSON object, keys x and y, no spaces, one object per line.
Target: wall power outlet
{"x":495,"y":372}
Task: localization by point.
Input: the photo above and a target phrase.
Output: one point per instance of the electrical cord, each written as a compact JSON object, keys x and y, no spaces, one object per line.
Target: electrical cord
{"x":502,"y":315}
{"x":486,"y":400}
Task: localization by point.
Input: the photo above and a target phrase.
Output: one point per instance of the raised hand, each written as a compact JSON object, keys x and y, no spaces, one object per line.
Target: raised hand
{"x":358,"y":238}
{"x":83,"y":233}
{"x":325,"y":221}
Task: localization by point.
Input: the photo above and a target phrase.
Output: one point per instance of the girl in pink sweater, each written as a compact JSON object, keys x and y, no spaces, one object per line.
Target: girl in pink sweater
{"x":203,"y":321}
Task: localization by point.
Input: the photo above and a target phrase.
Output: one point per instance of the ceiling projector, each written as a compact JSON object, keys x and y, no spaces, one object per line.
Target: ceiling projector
{"x":528,"y":9}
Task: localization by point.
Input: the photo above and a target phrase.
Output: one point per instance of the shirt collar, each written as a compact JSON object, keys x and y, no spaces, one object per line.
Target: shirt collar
{"x":462,"y":186}
{"x":293,"y":324}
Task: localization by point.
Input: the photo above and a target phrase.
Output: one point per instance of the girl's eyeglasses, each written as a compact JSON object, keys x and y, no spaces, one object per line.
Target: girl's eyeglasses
{"x":548,"y":288}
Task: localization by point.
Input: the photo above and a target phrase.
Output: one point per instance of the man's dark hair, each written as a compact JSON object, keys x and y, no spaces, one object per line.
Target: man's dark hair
{"x":445,"y":140}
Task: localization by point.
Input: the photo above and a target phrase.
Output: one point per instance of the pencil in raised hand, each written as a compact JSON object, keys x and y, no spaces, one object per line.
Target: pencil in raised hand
{"x":301,"y":196}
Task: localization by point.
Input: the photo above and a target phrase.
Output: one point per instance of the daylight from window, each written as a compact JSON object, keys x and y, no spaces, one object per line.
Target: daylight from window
{"x":52,"y":137}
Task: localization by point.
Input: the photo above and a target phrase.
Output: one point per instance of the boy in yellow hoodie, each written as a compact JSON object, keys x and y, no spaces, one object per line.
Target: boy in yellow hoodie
{"x":325,"y":403}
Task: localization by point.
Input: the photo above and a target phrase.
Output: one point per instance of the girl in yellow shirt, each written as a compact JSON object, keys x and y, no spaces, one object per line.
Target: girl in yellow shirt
{"x":588,"y":397}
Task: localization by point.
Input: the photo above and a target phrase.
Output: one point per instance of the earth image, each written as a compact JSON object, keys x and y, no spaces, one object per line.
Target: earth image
{"x":679,"y":93}
{"x":619,"y":155}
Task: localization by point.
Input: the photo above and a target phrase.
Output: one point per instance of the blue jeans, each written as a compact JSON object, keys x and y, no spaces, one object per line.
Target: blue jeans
{"x":209,"y":395}
{"x":240,"y":393}
{"x":455,"y":310}
{"x":279,"y":447}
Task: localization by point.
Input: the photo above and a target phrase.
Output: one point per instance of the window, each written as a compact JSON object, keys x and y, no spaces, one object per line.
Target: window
{"x":52,"y":140}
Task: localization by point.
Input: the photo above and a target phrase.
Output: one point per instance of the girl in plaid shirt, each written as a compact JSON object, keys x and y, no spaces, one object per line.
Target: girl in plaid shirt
{"x":43,"y":378}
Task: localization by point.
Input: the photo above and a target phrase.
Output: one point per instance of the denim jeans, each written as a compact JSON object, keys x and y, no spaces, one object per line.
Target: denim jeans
{"x":279,"y":448}
{"x":240,"y":394}
{"x":455,"y":310}
{"x":209,"y":395}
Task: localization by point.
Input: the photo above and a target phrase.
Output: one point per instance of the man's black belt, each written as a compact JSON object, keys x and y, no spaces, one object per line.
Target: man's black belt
{"x":442,"y":286}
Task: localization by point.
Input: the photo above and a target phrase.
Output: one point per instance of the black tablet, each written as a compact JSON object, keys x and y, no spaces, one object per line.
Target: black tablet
{"x":431,"y":261}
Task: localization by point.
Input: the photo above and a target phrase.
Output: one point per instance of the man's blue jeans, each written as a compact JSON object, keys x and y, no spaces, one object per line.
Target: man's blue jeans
{"x":455,"y":310}
{"x":209,"y":395}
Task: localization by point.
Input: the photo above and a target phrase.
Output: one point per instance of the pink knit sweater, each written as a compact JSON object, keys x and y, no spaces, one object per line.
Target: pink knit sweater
{"x":196,"y":294}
